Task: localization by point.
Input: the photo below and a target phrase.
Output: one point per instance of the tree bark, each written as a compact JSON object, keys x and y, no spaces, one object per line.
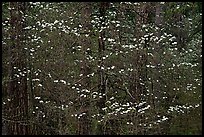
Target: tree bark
{"x":17,"y":86}
{"x":101,"y":49}
{"x":85,"y":121}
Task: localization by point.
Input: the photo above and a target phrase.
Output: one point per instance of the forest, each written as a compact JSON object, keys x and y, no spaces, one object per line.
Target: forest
{"x":101,"y":68}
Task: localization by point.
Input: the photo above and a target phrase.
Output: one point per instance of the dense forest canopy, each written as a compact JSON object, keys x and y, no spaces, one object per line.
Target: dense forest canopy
{"x":100,"y":68}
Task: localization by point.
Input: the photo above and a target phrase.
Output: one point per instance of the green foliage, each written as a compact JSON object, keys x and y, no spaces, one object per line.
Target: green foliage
{"x":152,"y":76}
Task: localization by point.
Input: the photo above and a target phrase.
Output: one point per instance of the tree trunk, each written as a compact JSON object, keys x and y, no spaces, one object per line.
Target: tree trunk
{"x":101,"y":49}
{"x":85,"y":121}
{"x":17,"y":87}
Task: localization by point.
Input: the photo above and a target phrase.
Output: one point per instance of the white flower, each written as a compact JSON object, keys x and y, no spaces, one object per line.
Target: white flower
{"x":112,"y":67}
{"x":41,"y":101}
{"x":174,"y":43}
{"x":117,"y":25}
{"x":56,"y":21}
{"x":63,"y":81}
{"x":197,"y":105}
{"x":37,"y":97}
{"x":143,"y":25}
{"x":35,"y":79}
{"x":73,"y":87}
{"x":92,"y":74}
{"x":164,"y":118}
{"x":55,"y":81}
{"x":49,"y":75}
{"x":111,"y":98}
{"x":142,"y":103}
{"x":47,"y":101}
{"x":81,"y":95}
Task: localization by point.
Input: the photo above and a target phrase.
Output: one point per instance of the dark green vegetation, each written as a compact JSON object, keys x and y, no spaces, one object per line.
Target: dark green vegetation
{"x":102,"y":68}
